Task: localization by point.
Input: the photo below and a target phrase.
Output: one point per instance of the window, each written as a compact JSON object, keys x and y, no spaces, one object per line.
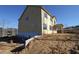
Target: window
{"x":51,"y":19}
{"x":44,"y":26}
{"x":27,"y":18}
{"x":51,"y":22}
{"x":51,"y":28}
{"x":45,"y":15}
{"x":54,"y":22}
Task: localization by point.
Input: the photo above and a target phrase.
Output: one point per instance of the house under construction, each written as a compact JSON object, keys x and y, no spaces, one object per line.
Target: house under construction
{"x":36,"y":20}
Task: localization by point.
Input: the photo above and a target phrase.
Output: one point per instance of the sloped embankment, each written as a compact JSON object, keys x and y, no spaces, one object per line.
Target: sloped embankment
{"x":55,"y":43}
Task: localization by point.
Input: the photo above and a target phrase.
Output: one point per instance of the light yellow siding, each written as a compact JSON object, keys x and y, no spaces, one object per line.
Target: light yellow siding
{"x":49,"y":21}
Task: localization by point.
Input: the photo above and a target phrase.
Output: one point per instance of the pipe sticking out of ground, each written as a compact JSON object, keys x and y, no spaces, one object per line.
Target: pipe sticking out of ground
{"x":29,"y":40}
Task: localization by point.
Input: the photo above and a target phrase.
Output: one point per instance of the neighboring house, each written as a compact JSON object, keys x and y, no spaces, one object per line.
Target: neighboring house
{"x":8,"y":32}
{"x":35,"y":19}
{"x":0,"y":32}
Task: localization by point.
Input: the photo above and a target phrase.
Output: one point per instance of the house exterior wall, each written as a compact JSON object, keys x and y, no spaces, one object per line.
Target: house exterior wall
{"x":0,"y":32}
{"x":30,"y":21}
{"x":10,"y":32}
{"x":49,"y":21}
{"x":54,"y":23}
{"x":33,"y":20}
{"x":6,"y":31}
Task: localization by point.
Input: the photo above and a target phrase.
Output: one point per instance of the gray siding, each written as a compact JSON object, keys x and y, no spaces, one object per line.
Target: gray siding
{"x":30,"y":21}
{"x":0,"y":32}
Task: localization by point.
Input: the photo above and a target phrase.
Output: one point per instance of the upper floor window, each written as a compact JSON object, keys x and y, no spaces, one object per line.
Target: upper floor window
{"x":51,"y":20}
{"x":51,"y":28}
{"x":27,"y":18}
{"x":54,"y":21}
{"x":44,"y":26}
{"x":45,"y":15}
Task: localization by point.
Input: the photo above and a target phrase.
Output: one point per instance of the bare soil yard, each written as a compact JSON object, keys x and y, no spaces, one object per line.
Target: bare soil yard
{"x":5,"y":48}
{"x":55,"y":43}
{"x":47,"y":44}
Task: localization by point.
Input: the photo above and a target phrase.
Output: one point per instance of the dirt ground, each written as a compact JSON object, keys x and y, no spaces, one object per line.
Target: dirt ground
{"x":5,"y":48}
{"x":47,"y":44}
{"x":54,"y":44}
